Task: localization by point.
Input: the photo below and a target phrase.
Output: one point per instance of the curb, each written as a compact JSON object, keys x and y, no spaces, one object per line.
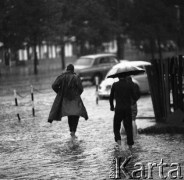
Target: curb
{"x":162,"y":129}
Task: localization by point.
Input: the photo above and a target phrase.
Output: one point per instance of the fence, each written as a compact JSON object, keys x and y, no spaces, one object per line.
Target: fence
{"x":166,"y":85}
{"x":32,"y":91}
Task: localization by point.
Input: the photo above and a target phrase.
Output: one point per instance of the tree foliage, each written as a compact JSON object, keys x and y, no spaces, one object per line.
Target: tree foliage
{"x":91,"y":22}
{"x":10,"y":35}
{"x":150,"y":23}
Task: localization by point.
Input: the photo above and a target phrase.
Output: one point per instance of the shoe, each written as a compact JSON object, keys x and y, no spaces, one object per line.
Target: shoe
{"x":116,"y":147}
{"x":120,"y":148}
{"x":130,"y":148}
{"x":119,"y":145}
{"x":50,"y":120}
{"x":73,"y":135}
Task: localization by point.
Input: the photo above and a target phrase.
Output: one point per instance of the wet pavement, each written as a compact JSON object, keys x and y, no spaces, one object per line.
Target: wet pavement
{"x":34,"y":149}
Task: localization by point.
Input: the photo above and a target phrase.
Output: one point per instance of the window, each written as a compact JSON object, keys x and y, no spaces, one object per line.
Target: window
{"x":104,"y":60}
{"x":84,"y":61}
{"x":112,"y":60}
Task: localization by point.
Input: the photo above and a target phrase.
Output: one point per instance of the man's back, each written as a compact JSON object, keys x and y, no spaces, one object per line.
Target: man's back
{"x":68,"y":83}
{"x":122,"y":91}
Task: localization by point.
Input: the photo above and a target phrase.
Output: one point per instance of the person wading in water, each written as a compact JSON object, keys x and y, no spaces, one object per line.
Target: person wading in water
{"x":123,"y":92}
{"x":68,"y":102}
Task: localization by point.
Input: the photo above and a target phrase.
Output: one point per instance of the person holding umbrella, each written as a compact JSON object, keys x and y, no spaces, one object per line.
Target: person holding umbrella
{"x":68,"y":102}
{"x":123,"y":92}
{"x":134,"y":110}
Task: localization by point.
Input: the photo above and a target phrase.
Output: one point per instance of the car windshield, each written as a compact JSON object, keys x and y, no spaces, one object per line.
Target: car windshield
{"x":84,"y":62}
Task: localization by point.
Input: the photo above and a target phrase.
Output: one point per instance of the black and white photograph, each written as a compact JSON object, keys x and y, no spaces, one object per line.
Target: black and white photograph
{"x":91,"y":89}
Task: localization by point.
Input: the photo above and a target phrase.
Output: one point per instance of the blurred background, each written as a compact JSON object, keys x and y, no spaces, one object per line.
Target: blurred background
{"x":40,"y":36}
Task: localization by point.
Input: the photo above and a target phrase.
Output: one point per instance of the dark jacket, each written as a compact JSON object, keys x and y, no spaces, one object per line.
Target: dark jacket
{"x":123,"y":92}
{"x":68,"y":87}
{"x":136,"y":90}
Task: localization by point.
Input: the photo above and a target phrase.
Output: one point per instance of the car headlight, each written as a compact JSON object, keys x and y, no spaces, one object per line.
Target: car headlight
{"x":108,"y":87}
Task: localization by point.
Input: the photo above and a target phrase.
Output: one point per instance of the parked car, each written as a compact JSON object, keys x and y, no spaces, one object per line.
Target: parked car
{"x":91,"y":66}
{"x":141,"y":80}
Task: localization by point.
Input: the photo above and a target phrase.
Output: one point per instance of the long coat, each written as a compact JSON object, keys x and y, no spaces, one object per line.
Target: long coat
{"x":67,"y":102}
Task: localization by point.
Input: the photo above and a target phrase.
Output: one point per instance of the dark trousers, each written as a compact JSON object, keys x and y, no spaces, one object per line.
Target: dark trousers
{"x":126,"y":116}
{"x":73,"y":122}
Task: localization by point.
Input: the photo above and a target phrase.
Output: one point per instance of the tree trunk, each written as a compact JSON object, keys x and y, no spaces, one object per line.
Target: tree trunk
{"x":159,"y":45}
{"x":40,"y":51}
{"x":28,"y":53}
{"x":159,"y":49}
{"x":7,"y":57}
{"x":35,"y":59}
{"x":120,"y":47}
{"x":82,"y":48}
{"x":152,"y":48}
{"x":62,"y":55}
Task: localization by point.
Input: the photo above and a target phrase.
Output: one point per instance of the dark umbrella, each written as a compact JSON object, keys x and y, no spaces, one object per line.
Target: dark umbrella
{"x":124,"y":69}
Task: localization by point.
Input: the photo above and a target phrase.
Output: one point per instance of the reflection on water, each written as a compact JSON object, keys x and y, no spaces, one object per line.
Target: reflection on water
{"x":34,"y":149}
{"x":151,"y":150}
{"x":38,"y":155}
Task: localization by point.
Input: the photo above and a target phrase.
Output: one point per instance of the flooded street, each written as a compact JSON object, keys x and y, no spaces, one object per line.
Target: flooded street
{"x":35,"y":149}
{"x":47,"y":44}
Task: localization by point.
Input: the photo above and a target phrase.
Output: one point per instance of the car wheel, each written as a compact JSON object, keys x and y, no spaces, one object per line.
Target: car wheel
{"x":99,"y":76}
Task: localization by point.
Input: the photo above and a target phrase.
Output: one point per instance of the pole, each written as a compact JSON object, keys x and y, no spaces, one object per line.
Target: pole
{"x":16,"y":103}
{"x":32,"y":100}
{"x":97,"y":85}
